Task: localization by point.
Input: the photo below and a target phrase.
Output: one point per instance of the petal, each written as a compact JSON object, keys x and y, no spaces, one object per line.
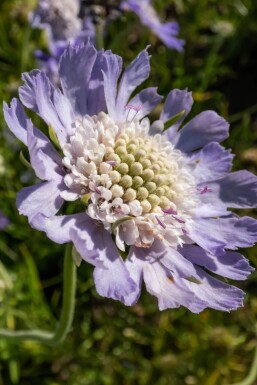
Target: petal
{"x":214,"y":235}
{"x":204,"y":128}
{"x":75,"y":69}
{"x":238,"y":189}
{"x":214,"y":293}
{"x":43,"y":198}
{"x":96,"y":99}
{"x":135,"y":263}
{"x":113,"y":280}
{"x":146,"y":100}
{"x":111,"y":73}
{"x":133,"y":76}
{"x":64,"y":111}
{"x":212,"y":162}
{"x":230,"y":265}
{"x":16,"y":119}
{"x":57,"y":228}
{"x":45,"y":103}
{"x":44,"y":159}
{"x":166,"y":286}
{"x":40,"y":95}
{"x":176,"y":101}
{"x":27,"y":92}
{"x":90,"y":241}
{"x":148,"y":16}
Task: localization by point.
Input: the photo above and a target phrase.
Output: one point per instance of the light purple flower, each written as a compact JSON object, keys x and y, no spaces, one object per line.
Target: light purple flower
{"x":167,"y":32}
{"x":4,"y":221}
{"x":158,"y":193}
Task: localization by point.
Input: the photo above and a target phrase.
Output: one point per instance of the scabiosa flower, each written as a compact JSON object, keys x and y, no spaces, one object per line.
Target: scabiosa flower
{"x":167,"y":32}
{"x":155,"y":196}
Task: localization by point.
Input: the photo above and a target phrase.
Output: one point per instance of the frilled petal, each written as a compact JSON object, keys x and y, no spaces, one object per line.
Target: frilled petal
{"x":27,"y":92}
{"x":16,"y":119}
{"x":64,"y":110}
{"x":176,"y":101}
{"x":214,"y":293}
{"x":96,"y":99}
{"x":47,"y":102}
{"x":214,"y":235}
{"x":57,"y":228}
{"x":113,"y":279}
{"x":75,"y":70}
{"x":46,"y":107}
{"x":230,"y":265}
{"x":166,"y":32}
{"x":212,"y":162}
{"x":43,"y":198}
{"x":206,"y":127}
{"x":133,"y":76}
{"x":91,"y":241}
{"x":135,"y":263}
{"x":238,"y":189}
{"x":111,"y":73}
{"x":169,"y":288}
{"x":144,"y":103}
{"x":44,"y":159}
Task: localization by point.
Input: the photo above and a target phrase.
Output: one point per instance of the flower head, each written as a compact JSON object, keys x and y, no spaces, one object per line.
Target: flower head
{"x":154,"y":197}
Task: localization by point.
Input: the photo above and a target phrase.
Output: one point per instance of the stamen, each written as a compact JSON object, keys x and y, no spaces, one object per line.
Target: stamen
{"x":170,"y":211}
{"x":130,"y":107}
{"x":111,"y":162}
{"x":97,"y":190}
{"x":160,"y":222}
{"x":179,"y":220}
{"x":205,"y":190}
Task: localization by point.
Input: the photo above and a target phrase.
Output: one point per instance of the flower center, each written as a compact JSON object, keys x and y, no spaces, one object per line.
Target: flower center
{"x":137,"y":185}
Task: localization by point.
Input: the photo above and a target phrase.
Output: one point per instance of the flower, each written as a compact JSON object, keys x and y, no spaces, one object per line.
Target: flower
{"x":4,"y":221}
{"x":154,"y":197}
{"x":166,"y":32}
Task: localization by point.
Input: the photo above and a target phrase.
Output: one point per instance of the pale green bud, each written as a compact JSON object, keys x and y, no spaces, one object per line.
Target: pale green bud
{"x":137,"y":182}
{"x":130,"y":195}
{"x":126,"y":181}
{"x":142,"y":193}
{"x":151,"y":186}
{"x":136,"y":168}
{"x":123,"y":168}
{"x":148,"y":174}
{"x":146,"y":206}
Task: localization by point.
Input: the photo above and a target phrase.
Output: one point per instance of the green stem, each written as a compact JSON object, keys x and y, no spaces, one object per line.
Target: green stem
{"x":67,"y":312}
{"x":250,"y":378}
{"x":99,"y":36}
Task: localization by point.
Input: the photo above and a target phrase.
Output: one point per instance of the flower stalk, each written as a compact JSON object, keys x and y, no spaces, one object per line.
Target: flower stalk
{"x":67,"y":312}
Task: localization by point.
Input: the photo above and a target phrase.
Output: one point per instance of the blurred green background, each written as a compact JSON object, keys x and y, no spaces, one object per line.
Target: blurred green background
{"x":110,"y":343}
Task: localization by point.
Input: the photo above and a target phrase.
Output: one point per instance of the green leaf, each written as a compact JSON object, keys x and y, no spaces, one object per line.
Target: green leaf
{"x":173,"y":120}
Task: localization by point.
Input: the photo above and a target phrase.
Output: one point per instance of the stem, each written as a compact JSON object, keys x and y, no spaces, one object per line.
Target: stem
{"x":250,"y":378}
{"x":67,"y":312}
